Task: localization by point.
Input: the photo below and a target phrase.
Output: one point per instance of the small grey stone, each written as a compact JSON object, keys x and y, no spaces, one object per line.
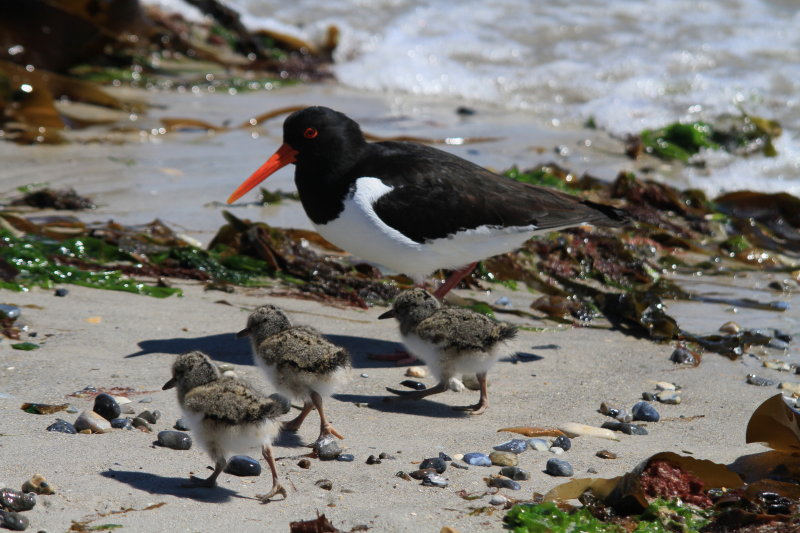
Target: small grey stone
{"x":72,"y":409}
{"x":106,"y":406}
{"x":513,"y":446}
{"x":346,"y":457}
{"x":121,"y":423}
{"x":556,"y":450}
{"x":516,"y":473}
{"x":13,"y":521}
{"x":141,"y":423}
{"x":682,"y":356}
{"x":93,"y":422}
{"x":9,"y":311}
{"x":477,"y":459}
{"x":562,"y":442}
{"x":624,"y":427}
{"x":175,"y":440}
{"x":645,"y":412}
{"x":61,"y":292}
{"x":146,"y":399}
{"x":758,"y":381}
{"x":498,"y":499}
{"x":372,"y":460}
{"x":128,"y":409}
{"x":503,"y":458}
{"x":243,"y":466}
{"x":180,"y":425}
{"x":434,"y":480}
{"x":669,"y":397}
{"x":151,"y":417}
{"x":62,"y":426}
{"x":558,"y":467}
{"x":648,"y":396}
{"x":540,"y":445}
{"x":327,"y":449}
{"x":434,"y":462}
{"x":504,"y":483}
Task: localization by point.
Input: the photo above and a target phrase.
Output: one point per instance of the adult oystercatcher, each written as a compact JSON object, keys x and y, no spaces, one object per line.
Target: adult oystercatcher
{"x":409,"y":207}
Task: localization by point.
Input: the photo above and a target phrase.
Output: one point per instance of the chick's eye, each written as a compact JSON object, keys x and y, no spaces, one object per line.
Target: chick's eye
{"x":310,"y":133}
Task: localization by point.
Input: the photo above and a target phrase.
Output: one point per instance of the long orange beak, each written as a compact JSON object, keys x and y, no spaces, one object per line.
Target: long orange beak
{"x":285,"y":155}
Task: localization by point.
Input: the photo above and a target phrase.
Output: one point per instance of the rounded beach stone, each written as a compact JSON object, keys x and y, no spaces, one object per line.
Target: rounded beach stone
{"x":106,"y":406}
{"x":242,"y":466}
{"x":327,"y":449}
{"x":89,"y":420}
{"x":121,"y":423}
{"x":62,"y":426}
{"x":434,"y":462}
{"x":513,"y":446}
{"x":558,"y":467}
{"x":563,"y":442}
{"x":176,"y":440}
{"x":477,"y":459}
{"x":540,"y":445}
{"x":645,"y":412}
{"x":516,"y":473}
{"x":503,"y":458}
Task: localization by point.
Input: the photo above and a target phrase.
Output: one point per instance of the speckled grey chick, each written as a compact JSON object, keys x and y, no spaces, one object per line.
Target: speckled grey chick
{"x":298,"y":361}
{"x":451,"y":341}
{"x":226,"y":415}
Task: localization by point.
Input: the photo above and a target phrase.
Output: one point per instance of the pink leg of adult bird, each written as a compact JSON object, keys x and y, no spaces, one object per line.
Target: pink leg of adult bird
{"x":295,"y":423}
{"x":483,"y":403}
{"x":266,"y":451}
{"x":325,"y":427}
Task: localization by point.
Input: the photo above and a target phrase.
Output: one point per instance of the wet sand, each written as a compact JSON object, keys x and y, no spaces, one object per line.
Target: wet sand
{"x":177,"y":178}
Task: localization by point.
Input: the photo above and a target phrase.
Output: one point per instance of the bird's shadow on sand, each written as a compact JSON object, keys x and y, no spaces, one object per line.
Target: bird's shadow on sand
{"x":394,"y":404}
{"x":226,"y":348}
{"x":172,"y":486}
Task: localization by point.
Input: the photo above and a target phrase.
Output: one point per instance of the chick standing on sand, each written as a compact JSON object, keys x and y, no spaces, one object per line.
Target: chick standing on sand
{"x":298,"y":361}
{"x":451,"y":341}
{"x":225,"y":414}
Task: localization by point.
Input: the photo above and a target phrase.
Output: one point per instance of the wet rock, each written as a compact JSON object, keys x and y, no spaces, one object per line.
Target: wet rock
{"x":605,"y":454}
{"x":403,"y":475}
{"x":516,"y":473}
{"x":513,"y":446}
{"x":106,"y":406}
{"x":327,"y":449}
{"x":758,"y":381}
{"x":503,"y":458}
{"x":13,"y":521}
{"x":444,"y":457}
{"x":9,"y":311}
{"x":648,"y":397}
{"x":645,"y":412}
{"x":304,"y":463}
{"x":38,"y":484}
{"x":624,"y":427}
{"x":683,"y":356}
{"x":730,"y":328}
{"x":372,"y":460}
{"x":411,"y":384}
{"x":434,"y":480}
{"x":243,"y":466}
{"x":562,"y":442}
{"x":477,"y":459}
{"x":540,"y":445}
{"x":62,"y":426}
{"x":384,"y":455}
{"x":558,"y":467}
{"x":503,"y":483}
{"x":346,"y":457}
{"x":498,"y":499}
{"x":181,"y":425}
{"x":141,"y":424}
{"x":91,"y":421}
{"x":175,"y":440}
{"x":416,"y":372}
{"x":421,"y":473}
{"x":789,"y":386}
{"x":151,"y":417}
{"x":61,"y":292}
{"x":15,"y":500}
{"x":121,"y":423}
{"x":324,"y":484}
{"x":669,"y":397}
{"x":435,"y":463}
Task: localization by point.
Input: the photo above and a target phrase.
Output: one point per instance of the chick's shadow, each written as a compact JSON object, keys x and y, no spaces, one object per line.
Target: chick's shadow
{"x":172,"y":486}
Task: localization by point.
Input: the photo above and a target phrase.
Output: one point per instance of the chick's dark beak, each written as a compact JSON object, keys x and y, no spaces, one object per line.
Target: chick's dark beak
{"x":169,"y":384}
{"x":388,"y":314}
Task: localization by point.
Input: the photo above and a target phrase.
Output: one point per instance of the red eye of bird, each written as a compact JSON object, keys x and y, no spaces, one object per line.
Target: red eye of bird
{"x":310,"y":133}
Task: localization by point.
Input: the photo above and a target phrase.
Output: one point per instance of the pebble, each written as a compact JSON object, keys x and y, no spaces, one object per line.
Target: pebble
{"x":421,"y":473}
{"x":106,"y":406}
{"x":180,"y":424}
{"x":513,"y":446}
{"x":503,"y":301}
{"x":503,"y":483}
{"x":146,"y":399}
{"x":72,"y":409}
{"x":498,"y":499}
{"x":573,"y":429}
{"x":304,"y":463}
{"x":15,"y":500}
{"x":459,"y":465}
{"x":629,"y":429}
{"x":730,"y":327}
{"x":62,"y":426}
{"x":778,"y":344}
{"x":669,"y":397}
{"x":175,"y":440}
{"x":605,"y":454}
{"x":416,"y":372}
{"x":121,"y":423}
{"x":540,"y":445}
{"x":785,"y":337}
{"x":150,"y":417}
{"x":665,"y":385}
{"x":780,"y":366}
{"x":516,"y":473}
{"x":436,"y":463}
{"x":411,"y":384}
{"x":556,"y":450}
{"x":346,"y":457}
{"x":562,"y":442}
{"x":558,"y":467}
{"x":477,"y":459}
{"x":364,"y":375}
{"x":645,"y":412}
{"x":444,"y":457}
{"x":61,"y":292}
{"x":794,"y":388}
{"x":683,"y":356}
{"x":9,"y":311}
{"x":504,"y":458}
{"x":384,"y":455}
{"x":89,"y":420}
{"x":403,"y":475}
{"x":324,"y":484}
{"x":13,"y":521}
{"x":38,"y":484}
{"x":372,"y":460}
{"x":458,"y":456}
{"x":243,"y":466}
{"x":758,"y":381}
{"x":327,"y":449}
{"x":434,"y":480}
{"x":141,"y":423}
{"x":127,"y":408}
{"x":648,"y":397}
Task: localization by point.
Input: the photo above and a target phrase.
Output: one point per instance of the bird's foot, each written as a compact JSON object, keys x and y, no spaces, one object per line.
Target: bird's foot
{"x":291,"y":425}
{"x":276,"y":489}
{"x":198,"y":482}
{"x":399,"y":357}
{"x":477,"y":409}
{"x":328,"y":431}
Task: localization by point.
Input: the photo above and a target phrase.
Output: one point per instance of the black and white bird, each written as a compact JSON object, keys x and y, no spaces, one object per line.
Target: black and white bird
{"x":226,"y":415}
{"x":409,"y":207}
{"x":450,"y":340}
{"x":298,"y":361}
